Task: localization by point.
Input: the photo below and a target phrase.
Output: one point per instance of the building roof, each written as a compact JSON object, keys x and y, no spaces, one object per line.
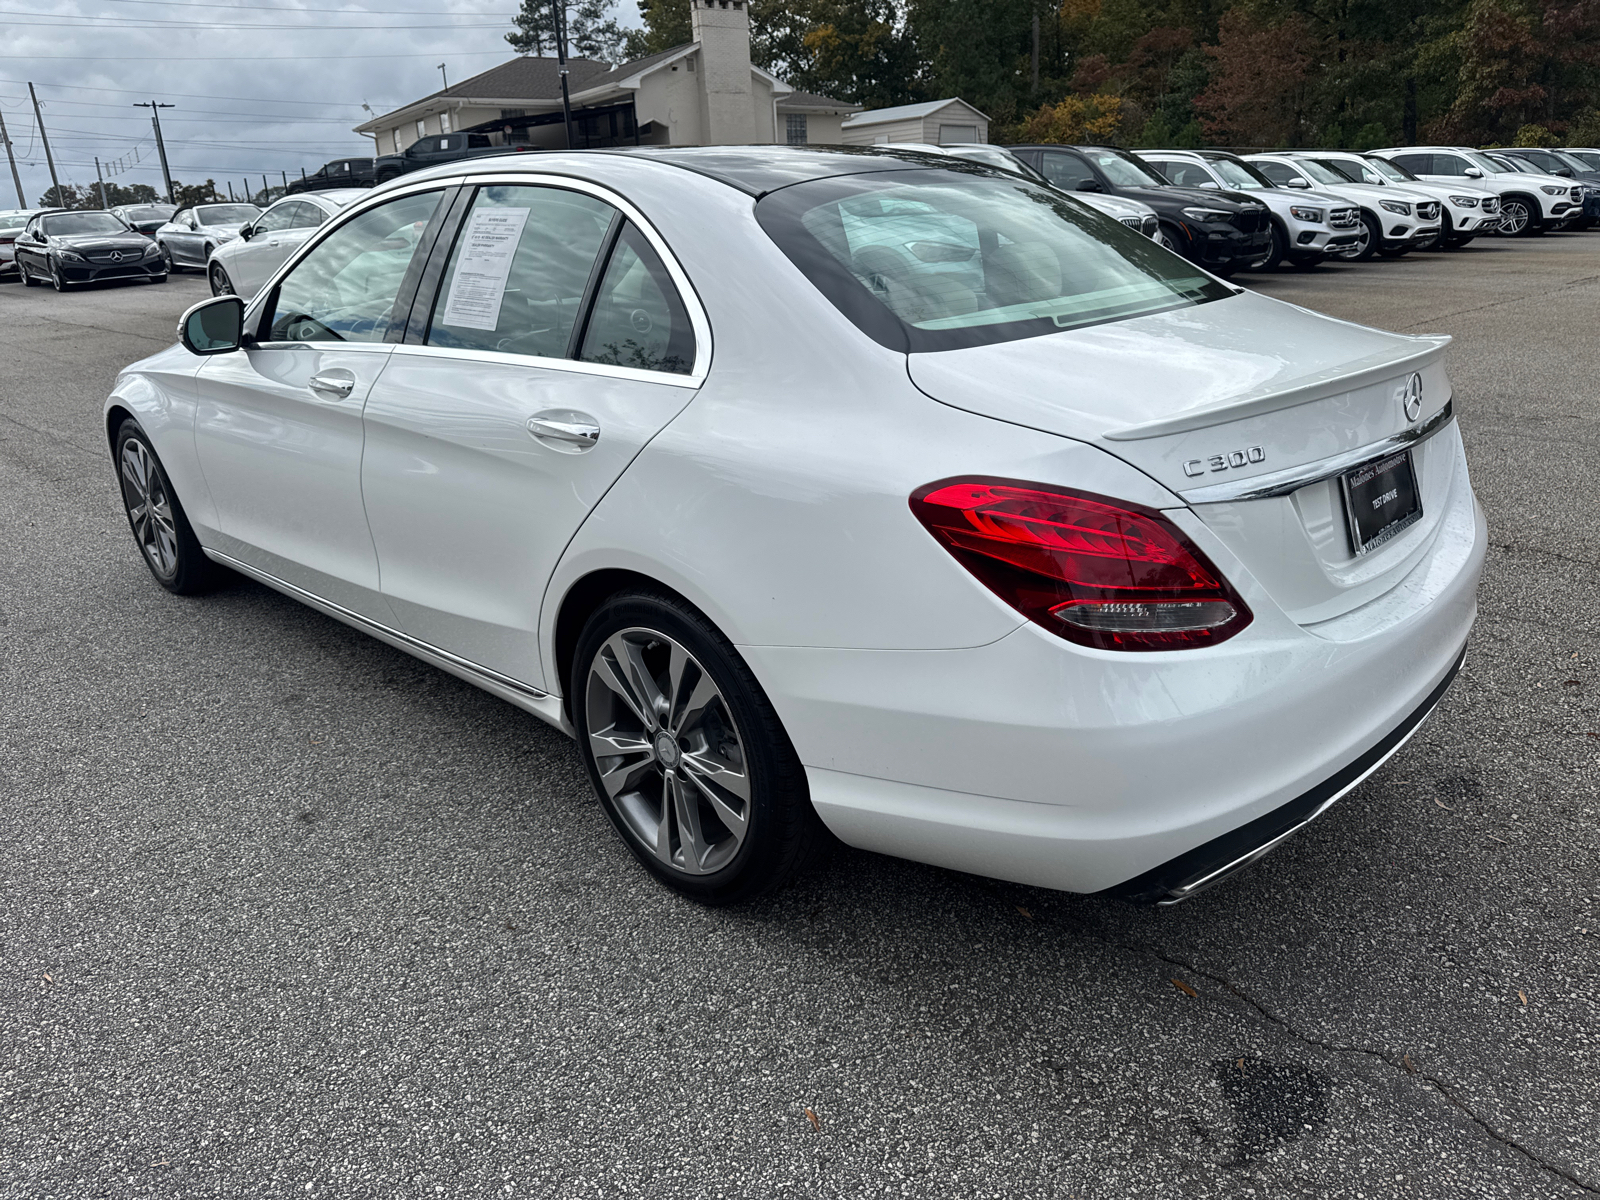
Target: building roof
{"x":906,"y":112}
{"x":812,"y":102}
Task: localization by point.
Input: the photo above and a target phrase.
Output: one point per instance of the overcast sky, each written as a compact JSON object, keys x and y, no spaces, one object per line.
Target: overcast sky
{"x":257,"y":87}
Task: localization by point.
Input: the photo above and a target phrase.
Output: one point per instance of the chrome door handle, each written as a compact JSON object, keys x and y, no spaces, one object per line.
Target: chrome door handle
{"x":564,"y":430}
{"x":331,"y":383}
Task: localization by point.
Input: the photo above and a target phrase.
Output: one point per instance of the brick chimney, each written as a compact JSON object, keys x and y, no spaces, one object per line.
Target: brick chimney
{"x":722,"y":27}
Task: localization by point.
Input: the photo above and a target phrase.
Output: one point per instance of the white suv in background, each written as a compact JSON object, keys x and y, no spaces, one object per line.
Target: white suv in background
{"x":1393,"y":220}
{"x":1528,"y":203}
{"x":1307,"y":226}
{"x":1465,"y":210}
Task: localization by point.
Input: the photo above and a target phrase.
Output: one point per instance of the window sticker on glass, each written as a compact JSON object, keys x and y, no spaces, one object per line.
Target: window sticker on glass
{"x":479,"y":284}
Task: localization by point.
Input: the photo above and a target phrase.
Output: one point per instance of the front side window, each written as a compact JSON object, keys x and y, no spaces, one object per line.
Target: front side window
{"x":940,"y":259}
{"x":1485,"y":164}
{"x":519,"y":270}
{"x":1184,"y":174}
{"x":1066,"y":171}
{"x":345,"y":290}
{"x":638,"y":319}
{"x":1281,"y":174}
{"x":280,"y":216}
{"x":1241,"y":176}
{"x":1123,"y":169}
{"x":1387,"y":170}
{"x":1320,"y":173}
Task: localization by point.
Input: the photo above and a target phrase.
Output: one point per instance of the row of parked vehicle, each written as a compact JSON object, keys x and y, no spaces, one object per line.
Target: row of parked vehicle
{"x":1223,"y":211}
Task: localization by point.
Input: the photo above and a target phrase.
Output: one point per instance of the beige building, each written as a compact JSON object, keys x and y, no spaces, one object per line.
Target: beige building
{"x":936,"y":122}
{"x":705,"y":93}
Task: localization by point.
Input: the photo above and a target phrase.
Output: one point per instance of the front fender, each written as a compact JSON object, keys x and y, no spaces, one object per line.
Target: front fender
{"x":160,"y":392}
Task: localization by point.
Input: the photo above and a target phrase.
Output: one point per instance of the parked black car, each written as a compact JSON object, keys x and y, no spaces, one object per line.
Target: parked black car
{"x":340,"y":173}
{"x":438,"y":148}
{"x":144,"y":218}
{"x":1223,"y":231}
{"x":64,"y":248}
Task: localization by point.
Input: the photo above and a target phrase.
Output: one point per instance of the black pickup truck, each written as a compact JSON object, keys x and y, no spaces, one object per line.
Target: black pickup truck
{"x":340,"y":173}
{"x":439,"y":148}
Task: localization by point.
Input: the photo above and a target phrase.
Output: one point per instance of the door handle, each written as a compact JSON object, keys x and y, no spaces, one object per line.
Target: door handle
{"x":337,"y":384}
{"x":564,"y":430}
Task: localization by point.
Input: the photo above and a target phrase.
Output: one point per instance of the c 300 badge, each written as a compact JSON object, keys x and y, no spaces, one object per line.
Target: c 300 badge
{"x":1232,"y":460}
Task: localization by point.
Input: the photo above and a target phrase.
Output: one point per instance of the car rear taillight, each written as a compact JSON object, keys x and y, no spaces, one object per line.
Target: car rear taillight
{"x":1093,"y":570}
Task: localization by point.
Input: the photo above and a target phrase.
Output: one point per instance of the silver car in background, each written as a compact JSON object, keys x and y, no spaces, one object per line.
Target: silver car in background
{"x":12,"y":222}
{"x":194,"y":232}
{"x":241,"y":265}
{"x":1307,"y":226}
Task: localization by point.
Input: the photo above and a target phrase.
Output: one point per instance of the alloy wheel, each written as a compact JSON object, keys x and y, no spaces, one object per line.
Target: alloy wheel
{"x":144,"y":491}
{"x":1363,"y":240}
{"x":1167,"y":243}
{"x":1514,"y":218}
{"x":56,"y":280}
{"x":221,"y":285}
{"x":166,"y":257}
{"x":668,"y":752}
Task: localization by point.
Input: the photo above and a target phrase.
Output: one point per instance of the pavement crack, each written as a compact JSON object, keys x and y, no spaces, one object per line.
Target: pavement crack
{"x":1403,"y":1064}
{"x":1540,"y":295}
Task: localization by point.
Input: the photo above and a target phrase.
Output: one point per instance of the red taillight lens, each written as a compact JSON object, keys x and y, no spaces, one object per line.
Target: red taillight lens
{"x":1095,"y":571}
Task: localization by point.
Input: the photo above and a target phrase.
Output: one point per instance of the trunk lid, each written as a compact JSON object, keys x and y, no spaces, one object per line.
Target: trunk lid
{"x":1241,"y":391}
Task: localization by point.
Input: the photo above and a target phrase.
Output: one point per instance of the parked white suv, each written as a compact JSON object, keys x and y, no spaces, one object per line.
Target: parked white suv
{"x":1528,"y":203}
{"x":1465,"y":210}
{"x":1393,"y":220}
{"x":1307,"y":226}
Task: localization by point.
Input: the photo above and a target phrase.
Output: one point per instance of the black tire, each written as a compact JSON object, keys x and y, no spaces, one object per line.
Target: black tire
{"x":191,"y":572}
{"x":1374,"y":238}
{"x":1523,"y":216}
{"x":172,"y":264}
{"x":158,"y":279}
{"x":57,"y":280}
{"x":1307,"y":264}
{"x":783,"y":832}
{"x":217,"y":276}
{"x":1395,"y":251}
{"x":1277,"y":251}
{"x":27,"y":279}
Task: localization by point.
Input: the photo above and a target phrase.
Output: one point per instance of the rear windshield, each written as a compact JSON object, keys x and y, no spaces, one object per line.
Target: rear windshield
{"x":148,"y":212}
{"x":942,"y":259}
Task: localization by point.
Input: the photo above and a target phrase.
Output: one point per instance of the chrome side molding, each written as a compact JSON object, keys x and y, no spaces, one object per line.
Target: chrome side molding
{"x":1292,"y":479}
{"x":541,"y":704}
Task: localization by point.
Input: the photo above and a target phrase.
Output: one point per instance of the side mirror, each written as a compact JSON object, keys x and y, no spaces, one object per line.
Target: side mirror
{"x":1564,"y":172}
{"x":246,"y":232}
{"x":1215,"y":187}
{"x":213,"y":326}
{"x":1474,"y":173}
{"x":1297,"y":182}
{"x":1088,"y":185}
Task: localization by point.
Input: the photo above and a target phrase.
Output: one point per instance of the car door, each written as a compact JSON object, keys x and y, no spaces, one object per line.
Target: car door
{"x":558,"y":344}
{"x":278,"y":424}
{"x":251,"y":262}
{"x":302,"y":219}
{"x":28,"y":250}
{"x":1068,"y":171}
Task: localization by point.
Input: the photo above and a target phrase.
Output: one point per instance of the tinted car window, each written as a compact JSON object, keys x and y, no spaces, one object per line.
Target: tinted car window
{"x":274,"y":219}
{"x":1066,"y":171}
{"x":226,"y":214}
{"x":345,"y":289}
{"x":1279,"y":173}
{"x":1420,"y":164}
{"x":71,"y":224}
{"x":638,"y":318}
{"x":1184,"y":174}
{"x":938,"y":260}
{"x":519,"y":270}
{"x":1122,"y":170}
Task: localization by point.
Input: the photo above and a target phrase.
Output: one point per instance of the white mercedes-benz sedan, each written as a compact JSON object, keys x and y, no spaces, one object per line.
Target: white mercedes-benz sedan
{"x":809,"y":490}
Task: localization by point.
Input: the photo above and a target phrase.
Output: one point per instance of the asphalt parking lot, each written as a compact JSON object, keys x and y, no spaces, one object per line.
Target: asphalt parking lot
{"x":284,"y":912}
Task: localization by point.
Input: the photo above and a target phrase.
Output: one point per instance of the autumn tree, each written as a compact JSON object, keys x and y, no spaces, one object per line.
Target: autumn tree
{"x":1258,"y":89}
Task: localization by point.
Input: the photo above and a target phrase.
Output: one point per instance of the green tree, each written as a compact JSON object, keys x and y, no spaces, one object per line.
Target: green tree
{"x":666,"y":25}
{"x":592,"y":30}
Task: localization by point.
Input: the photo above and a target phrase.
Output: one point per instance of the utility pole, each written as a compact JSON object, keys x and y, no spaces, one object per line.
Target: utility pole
{"x":16,"y":178}
{"x":55,"y":184}
{"x":444,"y":77}
{"x":559,"y":11}
{"x":285,"y":175}
{"x":229,"y":182}
{"x":266,"y":191}
{"x":155,"y":119}
{"x":102,"y":180}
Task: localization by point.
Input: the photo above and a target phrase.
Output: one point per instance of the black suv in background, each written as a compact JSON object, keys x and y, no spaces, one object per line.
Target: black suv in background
{"x":438,"y":148}
{"x":1222,"y":231}
{"x":340,"y":173}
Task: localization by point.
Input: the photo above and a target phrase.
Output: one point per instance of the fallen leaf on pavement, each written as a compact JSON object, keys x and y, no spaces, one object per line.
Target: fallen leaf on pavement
{"x":1444,"y":806}
{"x":1024,"y":912}
{"x":48,"y":978}
{"x":1524,"y":996}
{"x":1184,"y":988}
{"x":815,"y":1122}
{"x":1405,"y":1060}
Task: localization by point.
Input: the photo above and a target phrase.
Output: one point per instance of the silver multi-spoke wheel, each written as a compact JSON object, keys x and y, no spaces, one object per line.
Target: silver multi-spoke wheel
{"x":1514,"y":218}
{"x":149,"y":508}
{"x":221,"y":285}
{"x":668,"y":752}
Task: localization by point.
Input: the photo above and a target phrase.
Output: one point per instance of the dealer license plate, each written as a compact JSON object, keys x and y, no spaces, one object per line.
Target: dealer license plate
{"x":1381,"y":500}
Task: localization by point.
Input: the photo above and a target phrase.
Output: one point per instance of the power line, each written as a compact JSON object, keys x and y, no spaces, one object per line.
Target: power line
{"x":74,"y":87}
{"x":254,"y":117}
{"x":398,"y":12}
{"x":236,"y":58}
{"x":134,"y":23}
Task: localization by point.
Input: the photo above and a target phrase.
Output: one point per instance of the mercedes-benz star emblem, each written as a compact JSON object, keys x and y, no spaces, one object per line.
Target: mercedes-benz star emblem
{"x":1411,"y":402}
{"x":116,"y":256}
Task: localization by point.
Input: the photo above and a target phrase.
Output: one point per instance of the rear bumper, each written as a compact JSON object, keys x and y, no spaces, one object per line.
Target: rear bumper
{"x":1056,"y":766}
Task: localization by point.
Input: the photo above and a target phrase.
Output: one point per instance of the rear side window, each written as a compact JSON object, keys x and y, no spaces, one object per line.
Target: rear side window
{"x":941,"y":259}
{"x":638,"y":319}
{"x":519,"y":269}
